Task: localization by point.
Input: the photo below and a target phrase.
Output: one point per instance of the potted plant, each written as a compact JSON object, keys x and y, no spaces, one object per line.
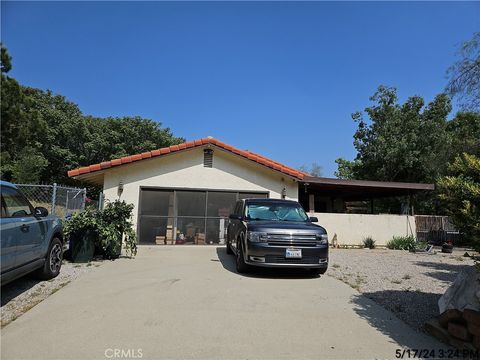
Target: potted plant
{"x":102,"y":231}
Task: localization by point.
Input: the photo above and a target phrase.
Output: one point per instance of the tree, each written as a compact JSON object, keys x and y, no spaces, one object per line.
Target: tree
{"x":464,"y":133}
{"x":461,"y":193}
{"x":29,"y":167}
{"x":20,"y":127}
{"x":314,"y":169}
{"x":6,"y":60}
{"x":399,"y":142}
{"x":346,"y":169}
{"x":464,"y":75}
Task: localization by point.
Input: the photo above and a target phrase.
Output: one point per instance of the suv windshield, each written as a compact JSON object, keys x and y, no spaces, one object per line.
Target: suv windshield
{"x":275,"y":212}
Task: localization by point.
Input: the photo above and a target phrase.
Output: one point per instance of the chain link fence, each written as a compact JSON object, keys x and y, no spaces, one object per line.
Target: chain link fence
{"x":59,"y":200}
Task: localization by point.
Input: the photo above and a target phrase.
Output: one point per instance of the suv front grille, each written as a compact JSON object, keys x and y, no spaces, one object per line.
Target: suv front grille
{"x":292,"y":239}
{"x":275,"y":259}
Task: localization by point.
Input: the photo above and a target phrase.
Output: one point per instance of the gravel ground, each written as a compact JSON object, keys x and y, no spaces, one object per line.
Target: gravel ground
{"x":23,"y":294}
{"x":405,"y":283}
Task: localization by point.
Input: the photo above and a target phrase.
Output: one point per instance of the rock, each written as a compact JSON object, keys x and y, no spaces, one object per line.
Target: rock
{"x":463,"y":293}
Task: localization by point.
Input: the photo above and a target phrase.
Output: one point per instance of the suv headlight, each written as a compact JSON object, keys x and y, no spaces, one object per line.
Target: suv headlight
{"x":322,"y":239}
{"x":256,"y":236}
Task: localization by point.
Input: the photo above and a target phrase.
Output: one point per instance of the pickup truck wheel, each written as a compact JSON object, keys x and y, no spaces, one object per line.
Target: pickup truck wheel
{"x":53,"y":261}
{"x":241,"y":266}
{"x":229,"y":249}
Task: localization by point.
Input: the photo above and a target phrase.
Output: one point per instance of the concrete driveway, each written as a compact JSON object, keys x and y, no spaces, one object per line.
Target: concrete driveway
{"x":188,"y":302}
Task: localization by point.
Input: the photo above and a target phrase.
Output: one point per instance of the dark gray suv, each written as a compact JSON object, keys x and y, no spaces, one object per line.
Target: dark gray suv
{"x":276,"y":233}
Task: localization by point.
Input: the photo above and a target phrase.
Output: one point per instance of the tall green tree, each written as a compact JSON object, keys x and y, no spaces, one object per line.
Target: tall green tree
{"x":399,"y":142}
{"x":464,"y":75}
{"x":464,"y":134}
{"x":21,"y":127}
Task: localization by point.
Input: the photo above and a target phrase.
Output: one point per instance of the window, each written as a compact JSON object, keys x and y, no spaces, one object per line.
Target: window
{"x":276,"y":212}
{"x":220,"y":204}
{"x":176,"y":217}
{"x":157,"y":202}
{"x":156,"y":230}
{"x":15,"y":204}
{"x":4,"y":211}
{"x":190,"y":231}
{"x":191,"y":203}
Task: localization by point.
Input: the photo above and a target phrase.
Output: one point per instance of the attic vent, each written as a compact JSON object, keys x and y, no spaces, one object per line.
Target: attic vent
{"x":208,"y":158}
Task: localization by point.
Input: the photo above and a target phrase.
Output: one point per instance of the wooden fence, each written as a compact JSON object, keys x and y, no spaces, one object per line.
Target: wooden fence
{"x":436,"y":229}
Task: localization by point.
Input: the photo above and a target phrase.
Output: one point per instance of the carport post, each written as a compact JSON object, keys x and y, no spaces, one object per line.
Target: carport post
{"x":54,"y":197}
{"x":311,"y":203}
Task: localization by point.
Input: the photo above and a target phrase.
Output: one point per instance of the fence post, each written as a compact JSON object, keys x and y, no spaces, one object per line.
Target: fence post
{"x":54,"y":197}
{"x":66,"y":204}
{"x":84,"y":198}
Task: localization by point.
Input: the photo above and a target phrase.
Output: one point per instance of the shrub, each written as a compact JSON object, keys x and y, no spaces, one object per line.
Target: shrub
{"x":460,"y":192}
{"x":109,"y":227}
{"x":402,"y":243}
{"x":369,"y":243}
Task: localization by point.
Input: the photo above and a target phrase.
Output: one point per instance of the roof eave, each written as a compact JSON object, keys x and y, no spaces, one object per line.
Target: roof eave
{"x":369,"y":183}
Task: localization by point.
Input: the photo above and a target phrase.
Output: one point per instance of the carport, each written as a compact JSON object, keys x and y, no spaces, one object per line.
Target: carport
{"x":326,"y":195}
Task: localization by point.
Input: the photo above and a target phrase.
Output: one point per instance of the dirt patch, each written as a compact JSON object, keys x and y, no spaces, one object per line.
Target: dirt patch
{"x":405,"y":283}
{"x":23,"y":294}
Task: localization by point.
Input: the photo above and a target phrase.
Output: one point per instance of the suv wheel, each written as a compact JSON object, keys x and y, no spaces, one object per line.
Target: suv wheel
{"x":241,"y":266}
{"x":229,"y":249}
{"x":53,"y":261}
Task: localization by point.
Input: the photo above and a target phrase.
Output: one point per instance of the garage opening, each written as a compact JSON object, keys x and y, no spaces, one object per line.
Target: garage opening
{"x":192,"y":217}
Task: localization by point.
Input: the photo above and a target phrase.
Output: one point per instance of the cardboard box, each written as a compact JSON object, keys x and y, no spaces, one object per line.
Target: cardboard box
{"x":160,"y":240}
{"x":200,"y":239}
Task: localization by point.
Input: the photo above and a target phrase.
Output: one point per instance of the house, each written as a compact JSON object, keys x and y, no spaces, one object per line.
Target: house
{"x":183,"y":194}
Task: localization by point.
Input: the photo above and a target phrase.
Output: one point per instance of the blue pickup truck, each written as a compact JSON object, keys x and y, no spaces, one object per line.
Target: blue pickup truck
{"x":31,"y":239}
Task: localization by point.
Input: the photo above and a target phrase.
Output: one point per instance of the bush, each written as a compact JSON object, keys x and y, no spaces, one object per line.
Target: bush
{"x":109,"y":227}
{"x":402,"y":243}
{"x":369,"y":243}
{"x":460,"y":192}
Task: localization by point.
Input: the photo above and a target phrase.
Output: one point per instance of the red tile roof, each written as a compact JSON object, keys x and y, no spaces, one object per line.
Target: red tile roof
{"x":187,"y":145}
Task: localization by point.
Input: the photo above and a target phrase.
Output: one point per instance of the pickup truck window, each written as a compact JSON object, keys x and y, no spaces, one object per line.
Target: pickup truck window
{"x":276,"y":212}
{"x":16,"y":205}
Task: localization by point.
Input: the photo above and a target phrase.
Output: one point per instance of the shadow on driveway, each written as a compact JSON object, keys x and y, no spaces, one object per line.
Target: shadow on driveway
{"x":228,"y":263}
{"x":383,"y":320}
{"x":17,"y":287}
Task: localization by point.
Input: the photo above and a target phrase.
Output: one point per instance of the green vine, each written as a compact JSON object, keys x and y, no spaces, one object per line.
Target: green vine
{"x":110,"y":226}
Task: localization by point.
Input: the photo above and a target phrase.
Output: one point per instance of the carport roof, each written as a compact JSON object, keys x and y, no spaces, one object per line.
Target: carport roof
{"x":360,"y":189}
{"x":208,"y":141}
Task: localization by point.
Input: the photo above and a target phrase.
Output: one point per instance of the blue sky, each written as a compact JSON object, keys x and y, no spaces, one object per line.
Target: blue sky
{"x":278,"y":78}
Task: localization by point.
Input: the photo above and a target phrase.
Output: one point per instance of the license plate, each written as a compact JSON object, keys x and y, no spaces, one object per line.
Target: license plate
{"x":293,"y":254}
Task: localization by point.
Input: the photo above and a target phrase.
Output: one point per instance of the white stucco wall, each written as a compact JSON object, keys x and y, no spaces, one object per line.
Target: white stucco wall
{"x":185,"y":170}
{"x":351,"y":229}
